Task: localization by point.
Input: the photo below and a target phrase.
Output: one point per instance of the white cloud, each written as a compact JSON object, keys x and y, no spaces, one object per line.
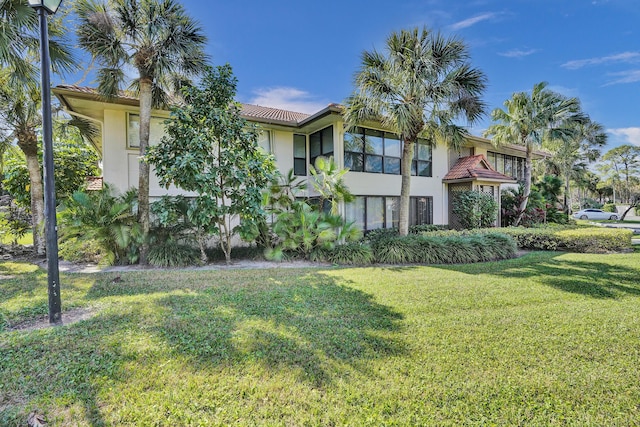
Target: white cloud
{"x":630,"y":76}
{"x":518,"y":53}
{"x":628,"y":57}
{"x":288,"y":98}
{"x":628,"y":135}
{"x":472,"y":21}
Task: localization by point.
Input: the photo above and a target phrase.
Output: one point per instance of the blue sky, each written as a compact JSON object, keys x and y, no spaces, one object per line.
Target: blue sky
{"x":302,"y":55}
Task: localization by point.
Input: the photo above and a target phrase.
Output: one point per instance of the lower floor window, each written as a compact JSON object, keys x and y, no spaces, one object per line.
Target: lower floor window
{"x":373,"y":212}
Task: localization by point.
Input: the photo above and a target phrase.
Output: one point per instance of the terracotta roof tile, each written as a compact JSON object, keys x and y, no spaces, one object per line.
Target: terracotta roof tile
{"x":275,"y":114}
{"x":475,"y":167}
{"x":125,"y":94}
{"x":94,"y":183}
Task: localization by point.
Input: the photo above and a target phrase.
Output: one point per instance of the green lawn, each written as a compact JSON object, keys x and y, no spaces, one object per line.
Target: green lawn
{"x":546,"y":339}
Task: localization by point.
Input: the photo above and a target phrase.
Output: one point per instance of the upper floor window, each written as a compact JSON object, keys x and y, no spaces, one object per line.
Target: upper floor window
{"x":321,"y":144}
{"x":509,"y":165}
{"x":300,"y":155}
{"x":156,"y":131}
{"x":367,"y":150}
{"x":422,"y":159}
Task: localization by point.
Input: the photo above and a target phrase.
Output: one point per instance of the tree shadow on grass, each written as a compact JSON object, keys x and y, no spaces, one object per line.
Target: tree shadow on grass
{"x":299,"y":323}
{"x":68,"y":363}
{"x":592,"y":278}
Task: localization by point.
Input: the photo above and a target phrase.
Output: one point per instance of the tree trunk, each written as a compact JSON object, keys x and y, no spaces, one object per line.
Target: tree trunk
{"x":405,"y":189}
{"x":527,"y":186}
{"x":143,"y":170}
{"x":28,"y":143}
{"x":567,"y":189}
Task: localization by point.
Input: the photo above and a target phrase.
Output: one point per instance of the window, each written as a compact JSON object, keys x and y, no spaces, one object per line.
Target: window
{"x":264,"y":140}
{"x":321,"y":144}
{"x":368,"y":150}
{"x":420,"y":210}
{"x":373,"y":212}
{"x":300,"y":155}
{"x":133,"y":130}
{"x":421,"y":164}
{"x":509,"y":165}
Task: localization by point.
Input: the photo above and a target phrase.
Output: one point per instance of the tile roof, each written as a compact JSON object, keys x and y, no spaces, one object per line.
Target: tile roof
{"x":473,"y":168}
{"x":124,"y":94}
{"x":272,"y":114}
{"x":94,"y":183}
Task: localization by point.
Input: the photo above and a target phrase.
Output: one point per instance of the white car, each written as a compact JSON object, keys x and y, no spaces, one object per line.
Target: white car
{"x":595,"y":214}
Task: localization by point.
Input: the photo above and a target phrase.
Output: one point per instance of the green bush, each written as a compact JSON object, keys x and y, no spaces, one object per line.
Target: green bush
{"x":81,"y":250}
{"x":173,"y":254}
{"x":352,"y":253}
{"x":426,"y":228}
{"x":590,"y":240}
{"x":596,"y":240}
{"x":610,"y":207}
{"x":475,"y":209}
{"x":444,"y":247}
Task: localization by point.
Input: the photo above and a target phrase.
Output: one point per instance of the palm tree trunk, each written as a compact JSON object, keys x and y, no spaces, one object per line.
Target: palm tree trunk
{"x":405,"y":189}
{"x":567,"y":195}
{"x":29,"y":145}
{"x":143,"y":171}
{"x":527,"y":186}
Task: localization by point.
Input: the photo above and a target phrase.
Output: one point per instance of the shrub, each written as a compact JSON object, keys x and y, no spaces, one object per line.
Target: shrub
{"x":590,"y":240}
{"x":610,"y":207}
{"x":173,"y":254}
{"x":79,"y":250}
{"x":444,"y":248}
{"x":595,"y":240}
{"x":107,"y":219}
{"x":352,"y":253}
{"x":475,"y":209}
{"x":426,"y":228}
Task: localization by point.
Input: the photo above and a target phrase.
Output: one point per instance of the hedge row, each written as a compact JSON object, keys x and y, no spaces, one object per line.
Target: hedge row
{"x":572,"y":239}
{"x":423,"y":249}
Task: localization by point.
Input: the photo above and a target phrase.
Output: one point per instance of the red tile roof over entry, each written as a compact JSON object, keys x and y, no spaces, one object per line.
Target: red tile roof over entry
{"x":475,"y":168}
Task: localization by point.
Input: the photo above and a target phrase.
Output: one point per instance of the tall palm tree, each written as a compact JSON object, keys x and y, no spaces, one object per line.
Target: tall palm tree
{"x":531,"y":118}
{"x":160,"y":42}
{"x":419,"y":88}
{"x":20,"y":92}
{"x":571,"y":154}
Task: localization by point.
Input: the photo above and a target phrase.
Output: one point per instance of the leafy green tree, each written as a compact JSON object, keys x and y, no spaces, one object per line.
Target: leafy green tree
{"x":620,"y":166}
{"x":572,"y":153}
{"x":420,"y":88}
{"x":529,"y":119}
{"x":20,"y":93}
{"x":160,"y":42}
{"x":212,"y":151}
{"x":73,"y":163}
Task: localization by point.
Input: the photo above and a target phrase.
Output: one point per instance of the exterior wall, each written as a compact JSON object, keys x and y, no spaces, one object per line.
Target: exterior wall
{"x":121,"y":164}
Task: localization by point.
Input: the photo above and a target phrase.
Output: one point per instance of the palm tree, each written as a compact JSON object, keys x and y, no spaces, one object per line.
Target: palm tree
{"x":420,"y":88}
{"x":160,"y":42}
{"x":20,"y":92}
{"x":531,"y":118}
{"x":571,"y":154}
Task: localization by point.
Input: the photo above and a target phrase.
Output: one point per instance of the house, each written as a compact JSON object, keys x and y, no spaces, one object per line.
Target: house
{"x":296,"y":139}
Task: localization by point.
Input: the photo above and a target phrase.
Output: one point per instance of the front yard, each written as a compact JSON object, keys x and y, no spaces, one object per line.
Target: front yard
{"x":545,"y":339}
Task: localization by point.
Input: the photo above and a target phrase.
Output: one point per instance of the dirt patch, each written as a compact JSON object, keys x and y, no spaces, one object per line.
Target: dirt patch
{"x":68,"y":317}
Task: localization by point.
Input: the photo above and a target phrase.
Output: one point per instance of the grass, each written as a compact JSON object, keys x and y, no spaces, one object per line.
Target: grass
{"x":545,"y":339}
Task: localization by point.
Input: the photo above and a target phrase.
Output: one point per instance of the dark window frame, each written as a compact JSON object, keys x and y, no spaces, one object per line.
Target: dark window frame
{"x":323,"y":144}
{"x":384,"y":159}
{"x":304,"y":159}
{"x":413,"y":214}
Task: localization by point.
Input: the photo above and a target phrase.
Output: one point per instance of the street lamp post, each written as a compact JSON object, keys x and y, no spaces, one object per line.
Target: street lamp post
{"x":44,"y":8}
